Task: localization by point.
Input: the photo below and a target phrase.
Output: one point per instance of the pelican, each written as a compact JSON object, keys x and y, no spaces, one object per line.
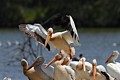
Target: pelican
{"x":98,"y":72}
{"x":59,"y":40}
{"x":88,"y":71}
{"x":66,"y":62}
{"x":35,"y":71}
{"x":61,"y":70}
{"x":81,"y":68}
{"x":113,"y":67}
{"x":59,"y":57}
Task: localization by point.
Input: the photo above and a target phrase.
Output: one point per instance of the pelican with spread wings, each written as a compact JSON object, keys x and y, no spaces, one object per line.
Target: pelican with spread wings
{"x":59,"y":40}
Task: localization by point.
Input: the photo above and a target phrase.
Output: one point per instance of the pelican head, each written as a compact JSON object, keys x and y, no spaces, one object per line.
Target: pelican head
{"x":94,"y":63}
{"x":24,"y":64}
{"x":115,"y":54}
{"x":38,"y":61}
{"x":49,"y":35}
{"x":50,"y":30}
{"x":83,"y":63}
{"x":82,"y":66}
{"x":57,"y":57}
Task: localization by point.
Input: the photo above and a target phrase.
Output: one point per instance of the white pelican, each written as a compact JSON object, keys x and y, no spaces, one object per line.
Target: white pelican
{"x":35,"y":71}
{"x":74,"y":65}
{"x":60,"y":40}
{"x":87,"y":71}
{"x":99,"y":72}
{"x":81,"y":68}
{"x":61,"y":70}
{"x":113,"y":67}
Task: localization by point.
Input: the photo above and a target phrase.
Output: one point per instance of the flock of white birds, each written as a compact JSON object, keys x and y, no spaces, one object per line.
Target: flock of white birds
{"x":64,"y":68}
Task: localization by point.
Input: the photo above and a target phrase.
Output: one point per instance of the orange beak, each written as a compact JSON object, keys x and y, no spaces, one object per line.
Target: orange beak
{"x":47,"y":39}
{"x":34,"y":63}
{"x":83,"y":65}
{"x":109,"y":58}
{"x":94,"y":71}
{"x":52,"y":61}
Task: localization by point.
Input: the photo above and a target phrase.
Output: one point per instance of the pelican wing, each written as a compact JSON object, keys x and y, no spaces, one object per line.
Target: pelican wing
{"x":114,"y":70}
{"x":66,"y":22}
{"x":106,"y":75}
{"x":67,"y":36}
{"x":72,"y":29}
{"x":43,"y":31}
{"x":101,"y":68}
{"x":38,"y":32}
{"x":70,"y":35}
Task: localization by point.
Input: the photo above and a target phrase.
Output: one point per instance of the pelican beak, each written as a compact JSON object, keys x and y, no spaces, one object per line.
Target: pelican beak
{"x":83,"y":65}
{"x":47,"y":39}
{"x":34,"y":63}
{"x":52,"y":61}
{"x":94,"y":68}
{"x":109,"y":58}
{"x":94,"y":71}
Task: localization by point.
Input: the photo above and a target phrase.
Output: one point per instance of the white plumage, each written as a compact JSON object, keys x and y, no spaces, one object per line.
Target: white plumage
{"x":113,"y":67}
{"x":60,"y":40}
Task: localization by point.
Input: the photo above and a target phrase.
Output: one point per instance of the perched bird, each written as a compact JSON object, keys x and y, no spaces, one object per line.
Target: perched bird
{"x":59,"y":40}
{"x":113,"y":67}
{"x":81,"y":68}
{"x":87,"y":71}
{"x":98,"y":72}
{"x":36,"y":71}
{"x":61,"y":70}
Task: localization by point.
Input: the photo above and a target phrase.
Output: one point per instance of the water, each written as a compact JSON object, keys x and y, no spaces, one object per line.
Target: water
{"x":93,"y":45}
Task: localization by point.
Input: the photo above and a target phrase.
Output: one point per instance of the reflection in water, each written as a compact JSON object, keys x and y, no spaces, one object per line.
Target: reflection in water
{"x":93,"y":45}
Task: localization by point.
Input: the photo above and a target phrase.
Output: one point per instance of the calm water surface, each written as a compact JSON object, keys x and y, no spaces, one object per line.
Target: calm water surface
{"x":93,"y":45}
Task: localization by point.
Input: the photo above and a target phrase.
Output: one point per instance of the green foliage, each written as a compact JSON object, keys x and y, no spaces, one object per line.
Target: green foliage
{"x":86,"y":13}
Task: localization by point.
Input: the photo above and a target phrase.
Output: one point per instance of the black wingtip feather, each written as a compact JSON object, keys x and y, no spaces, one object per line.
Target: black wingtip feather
{"x":106,"y":75}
